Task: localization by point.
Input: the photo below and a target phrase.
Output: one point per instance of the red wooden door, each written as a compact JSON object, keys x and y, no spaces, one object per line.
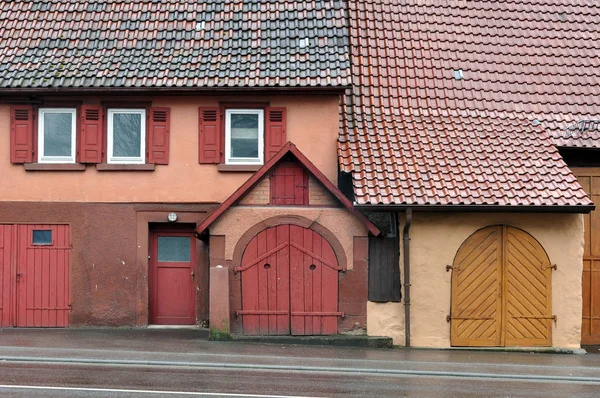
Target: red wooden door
{"x":6,"y":276}
{"x":289,"y":283}
{"x":43,"y":275}
{"x":34,"y":275}
{"x":172,"y":278}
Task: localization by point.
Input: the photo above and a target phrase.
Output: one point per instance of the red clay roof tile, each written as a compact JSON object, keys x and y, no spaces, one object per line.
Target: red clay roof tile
{"x":414,"y":134}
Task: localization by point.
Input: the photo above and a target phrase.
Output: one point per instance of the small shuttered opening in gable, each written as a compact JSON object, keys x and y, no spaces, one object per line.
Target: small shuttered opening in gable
{"x":289,"y":184}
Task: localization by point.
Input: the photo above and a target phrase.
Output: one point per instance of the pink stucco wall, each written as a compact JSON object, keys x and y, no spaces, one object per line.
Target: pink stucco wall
{"x":312,"y":124}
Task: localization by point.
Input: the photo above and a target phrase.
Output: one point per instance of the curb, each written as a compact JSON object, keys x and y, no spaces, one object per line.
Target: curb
{"x":333,"y":340}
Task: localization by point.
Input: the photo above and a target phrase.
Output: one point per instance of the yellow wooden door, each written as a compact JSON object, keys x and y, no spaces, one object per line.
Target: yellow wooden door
{"x":589,"y":178}
{"x":527,"y":294}
{"x":477,"y":290}
{"x":501,"y":290}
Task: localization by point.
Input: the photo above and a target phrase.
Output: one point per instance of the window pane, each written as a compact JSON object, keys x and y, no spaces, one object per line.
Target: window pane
{"x":173,"y":249}
{"x":244,"y":135}
{"x":58,"y":134}
{"x":42,"y":237}
{"x":127,"y":134}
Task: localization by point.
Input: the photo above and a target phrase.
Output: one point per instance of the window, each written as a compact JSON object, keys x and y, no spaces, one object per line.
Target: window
{"x":67,"y":138}
{"x":244,"y":136}
{"x":56,"y":135}
{"x":42,"y":237}
{"x":126,"y":140}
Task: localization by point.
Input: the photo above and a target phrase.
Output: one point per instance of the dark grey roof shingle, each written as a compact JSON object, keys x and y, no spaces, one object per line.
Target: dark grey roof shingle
{"x":173,"y":43}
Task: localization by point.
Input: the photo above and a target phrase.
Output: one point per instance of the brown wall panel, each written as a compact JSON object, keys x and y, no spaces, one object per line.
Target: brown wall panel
{"x":109,"y":259}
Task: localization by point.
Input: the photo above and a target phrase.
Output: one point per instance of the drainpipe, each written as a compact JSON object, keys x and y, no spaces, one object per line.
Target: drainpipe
{"x":406,"y":239}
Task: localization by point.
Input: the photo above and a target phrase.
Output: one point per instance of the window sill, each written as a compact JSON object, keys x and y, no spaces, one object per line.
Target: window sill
{"x":54,"y":167}
{"x":238,"y":167}
{"x":124,"y":167}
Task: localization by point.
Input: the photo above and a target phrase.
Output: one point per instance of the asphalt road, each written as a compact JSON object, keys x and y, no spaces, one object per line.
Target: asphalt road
{"x":32,"y":379}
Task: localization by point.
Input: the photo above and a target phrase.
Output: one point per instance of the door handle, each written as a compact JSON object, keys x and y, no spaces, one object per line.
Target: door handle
{"x":193,"y":275}
{"x":19,"y":277}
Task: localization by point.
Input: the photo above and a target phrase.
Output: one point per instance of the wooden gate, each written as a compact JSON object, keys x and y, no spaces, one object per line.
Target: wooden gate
{"x":589,"y":178}
{"x":289,"y":283}
{"x":34,"y":272}
{"x":501,"y":290}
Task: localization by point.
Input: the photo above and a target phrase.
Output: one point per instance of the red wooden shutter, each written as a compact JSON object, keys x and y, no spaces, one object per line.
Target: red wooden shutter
{"x":21,"y":134}
{"x":289,"y":184}
{"x":274,"y":131}
{"x":209,"y":138}
{"x":158,"y":135}
{"x":90,"y":134}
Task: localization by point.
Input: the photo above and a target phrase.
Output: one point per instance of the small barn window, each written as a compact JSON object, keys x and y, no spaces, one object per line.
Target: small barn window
{"x":42,"y":237}
{"x":289,"y":184}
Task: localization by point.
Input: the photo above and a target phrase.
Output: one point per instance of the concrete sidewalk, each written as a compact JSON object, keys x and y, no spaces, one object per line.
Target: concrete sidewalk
{"x":191,"y":348}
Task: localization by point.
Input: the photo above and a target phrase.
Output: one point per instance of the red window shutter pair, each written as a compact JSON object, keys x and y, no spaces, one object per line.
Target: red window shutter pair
{"x":91,"y":133}
{"x":211,"y":138}
{"x":289,"y":184}
{"x":21,"y":134}
{"x":158,"y":136}
{"x":91,"y":142}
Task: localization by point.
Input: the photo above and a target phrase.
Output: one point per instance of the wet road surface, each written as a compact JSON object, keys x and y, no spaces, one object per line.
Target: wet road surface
{"x":146,"y":363}
{"x":102,"y":380}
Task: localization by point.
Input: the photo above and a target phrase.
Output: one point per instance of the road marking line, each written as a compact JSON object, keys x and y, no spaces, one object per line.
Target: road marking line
{"x":218,"y":394}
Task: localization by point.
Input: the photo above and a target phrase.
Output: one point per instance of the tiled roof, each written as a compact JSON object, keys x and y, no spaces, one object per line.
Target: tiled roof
{"x":445,"y":99}
{"x":173,"y":43}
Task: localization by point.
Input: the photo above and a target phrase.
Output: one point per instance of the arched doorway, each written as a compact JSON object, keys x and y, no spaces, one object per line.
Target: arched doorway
{"x":501,"y":290}
{"x":289,"y":277}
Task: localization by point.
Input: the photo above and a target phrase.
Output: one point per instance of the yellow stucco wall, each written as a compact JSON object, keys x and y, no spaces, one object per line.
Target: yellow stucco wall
{"x":435,"y":239}
{"x":237,"y":220}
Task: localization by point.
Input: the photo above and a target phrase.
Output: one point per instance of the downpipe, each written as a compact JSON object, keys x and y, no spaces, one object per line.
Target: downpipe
{"x":406,"y":242}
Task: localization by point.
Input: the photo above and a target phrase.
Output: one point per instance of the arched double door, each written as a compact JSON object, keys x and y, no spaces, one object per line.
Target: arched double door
{"x":289,"y":277}
{"x":501,"y":290}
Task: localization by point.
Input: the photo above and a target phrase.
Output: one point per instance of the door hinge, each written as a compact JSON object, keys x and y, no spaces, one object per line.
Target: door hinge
{"x":450,"y":267}
{"x":553,"y":266}
{"x":70,"y":307}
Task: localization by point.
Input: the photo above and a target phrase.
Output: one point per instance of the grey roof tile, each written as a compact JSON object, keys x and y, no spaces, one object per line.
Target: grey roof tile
{"x":98,"y":42}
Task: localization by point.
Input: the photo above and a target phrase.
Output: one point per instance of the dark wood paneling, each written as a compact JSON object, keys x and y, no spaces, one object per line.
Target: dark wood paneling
{"x":384,"y":269}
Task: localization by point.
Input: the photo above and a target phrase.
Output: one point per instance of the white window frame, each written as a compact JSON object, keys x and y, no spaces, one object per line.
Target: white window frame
{"x":261,"y":137}
{"x":42,"y":158}
{"x":110,"y":158}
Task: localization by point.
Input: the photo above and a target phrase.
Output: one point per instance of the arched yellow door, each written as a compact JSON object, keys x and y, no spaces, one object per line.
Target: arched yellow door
{"x":501,"y":290}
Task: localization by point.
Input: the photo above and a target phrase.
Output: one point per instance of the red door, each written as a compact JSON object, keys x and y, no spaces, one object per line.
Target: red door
{"x":289,"y":283}
{"x":34,"y":267}
{"x":172,"y":278}
{"x":7,"y":282}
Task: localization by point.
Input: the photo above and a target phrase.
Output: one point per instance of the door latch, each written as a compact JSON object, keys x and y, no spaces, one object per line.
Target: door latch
{"x":193,"y":275}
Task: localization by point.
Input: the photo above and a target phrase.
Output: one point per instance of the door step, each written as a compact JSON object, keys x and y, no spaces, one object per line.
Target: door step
{"x":336,"y":340}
